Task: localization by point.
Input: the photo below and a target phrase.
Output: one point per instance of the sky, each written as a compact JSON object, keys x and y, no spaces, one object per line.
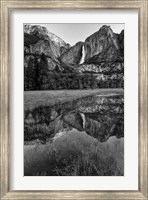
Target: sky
{"x":75,"y":32}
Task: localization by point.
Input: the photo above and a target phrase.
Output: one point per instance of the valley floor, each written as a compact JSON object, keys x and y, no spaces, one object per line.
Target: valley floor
{"x":34,"y":99}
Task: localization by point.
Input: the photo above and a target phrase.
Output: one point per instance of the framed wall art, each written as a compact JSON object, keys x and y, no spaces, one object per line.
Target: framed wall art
{"x":74,"y":99}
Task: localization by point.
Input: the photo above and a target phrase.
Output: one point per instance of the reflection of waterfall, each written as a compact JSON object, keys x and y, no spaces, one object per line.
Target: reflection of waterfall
{"x":83,"y":118}
{"x":83,"y":55}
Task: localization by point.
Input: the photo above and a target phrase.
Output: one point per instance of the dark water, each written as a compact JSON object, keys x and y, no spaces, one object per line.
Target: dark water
{"x":99,"y":116}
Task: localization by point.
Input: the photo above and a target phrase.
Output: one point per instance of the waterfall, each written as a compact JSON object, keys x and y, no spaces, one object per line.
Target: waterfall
{"x":83,"y":118}
{"x":83,"y":55}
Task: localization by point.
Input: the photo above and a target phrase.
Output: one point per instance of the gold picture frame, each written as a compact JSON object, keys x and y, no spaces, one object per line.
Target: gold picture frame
{"x":142,"y":6}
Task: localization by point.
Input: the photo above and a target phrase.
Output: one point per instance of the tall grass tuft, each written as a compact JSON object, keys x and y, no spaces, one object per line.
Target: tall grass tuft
{"x":70,"y":156}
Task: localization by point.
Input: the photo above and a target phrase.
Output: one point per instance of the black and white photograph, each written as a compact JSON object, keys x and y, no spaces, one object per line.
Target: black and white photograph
{"x":73,"y":99}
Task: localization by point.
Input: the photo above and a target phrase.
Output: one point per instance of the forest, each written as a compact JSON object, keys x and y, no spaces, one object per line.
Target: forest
{"x":37,"y":76}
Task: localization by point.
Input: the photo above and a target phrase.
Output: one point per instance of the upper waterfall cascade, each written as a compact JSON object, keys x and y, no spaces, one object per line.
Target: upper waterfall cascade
{"x":83,"y":55}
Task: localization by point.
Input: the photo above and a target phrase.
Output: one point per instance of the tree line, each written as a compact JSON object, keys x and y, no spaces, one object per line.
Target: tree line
{"x":38,"y":77}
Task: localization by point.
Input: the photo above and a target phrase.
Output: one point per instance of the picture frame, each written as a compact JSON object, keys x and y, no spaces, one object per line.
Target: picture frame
{"x":6,"y":7}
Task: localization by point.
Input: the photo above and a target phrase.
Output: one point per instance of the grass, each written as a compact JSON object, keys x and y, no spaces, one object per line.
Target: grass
{"x":34,"y":99}
{"x":74,"y":154}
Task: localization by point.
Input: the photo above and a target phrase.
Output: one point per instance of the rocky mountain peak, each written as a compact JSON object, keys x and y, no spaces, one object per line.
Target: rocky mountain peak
{"x":105,"y":28}
{"x":42,"y":33}
{"x":100,"y":41}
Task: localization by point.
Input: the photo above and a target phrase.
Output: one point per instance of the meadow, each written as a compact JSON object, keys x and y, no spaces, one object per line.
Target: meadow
{"x":34,"y":99}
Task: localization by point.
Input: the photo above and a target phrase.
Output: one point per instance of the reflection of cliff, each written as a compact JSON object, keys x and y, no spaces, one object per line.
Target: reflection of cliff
{"x":99,"y":127}
{"x":101,"y":117}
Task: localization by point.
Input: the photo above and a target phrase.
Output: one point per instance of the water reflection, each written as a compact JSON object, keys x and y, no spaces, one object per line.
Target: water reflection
{"x":83,"y":137}
{"x":99,"y":116}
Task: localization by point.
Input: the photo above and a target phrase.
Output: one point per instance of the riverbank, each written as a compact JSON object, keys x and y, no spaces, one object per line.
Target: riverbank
{"x":33,"y":99}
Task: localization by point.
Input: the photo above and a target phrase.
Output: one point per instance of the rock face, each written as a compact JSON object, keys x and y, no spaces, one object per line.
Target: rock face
{"x":38,"y":40}
{"x":103,"y":43}
{"x":102,"y":68}
{"x":41,"y":32}
{"x":104,"y":55}
{"x":73,"y":55}
{"x":121,"y":41}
